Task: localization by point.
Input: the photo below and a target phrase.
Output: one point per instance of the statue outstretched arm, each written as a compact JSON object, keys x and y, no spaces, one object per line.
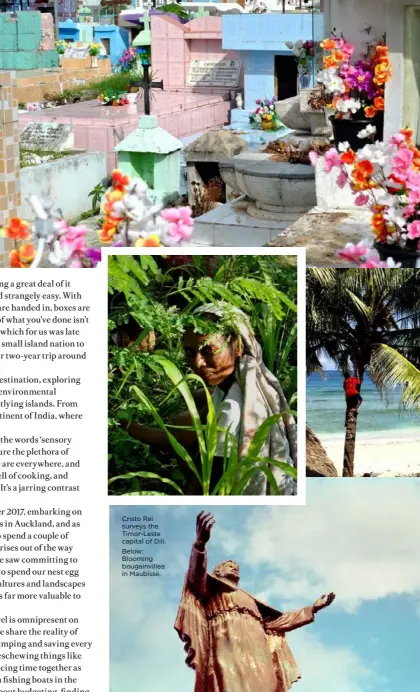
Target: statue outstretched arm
{"x":298,"y":618}
{"x":290,"y":621}
{"x":197,"y":570}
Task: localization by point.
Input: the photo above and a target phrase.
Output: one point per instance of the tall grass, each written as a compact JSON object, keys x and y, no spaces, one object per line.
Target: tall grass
{"x":237,"y":471}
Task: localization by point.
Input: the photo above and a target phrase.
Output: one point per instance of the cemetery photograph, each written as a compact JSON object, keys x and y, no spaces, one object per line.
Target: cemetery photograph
{"x":290,"y":123}
{"x":202,"y":376}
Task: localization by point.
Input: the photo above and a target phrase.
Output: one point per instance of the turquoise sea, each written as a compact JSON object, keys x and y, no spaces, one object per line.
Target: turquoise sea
{"x":325,"y":408}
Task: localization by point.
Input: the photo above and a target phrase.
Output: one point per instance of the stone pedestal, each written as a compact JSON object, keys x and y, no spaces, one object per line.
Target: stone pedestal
{"x":152,"y":154}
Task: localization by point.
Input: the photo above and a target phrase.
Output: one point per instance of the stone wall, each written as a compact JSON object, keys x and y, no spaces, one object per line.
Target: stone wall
{"x":10,"y":198}
{"x":35,"y":86}
{"x":66,"y":181}
{"x":21,"y":42}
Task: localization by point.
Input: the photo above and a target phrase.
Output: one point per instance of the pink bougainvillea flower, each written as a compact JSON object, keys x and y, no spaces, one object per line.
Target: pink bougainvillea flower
{"x":361,"y":200}
{"x":345,"y":47}
{"x":331,"y":159}
{"x":313,"y":157}
{"x":413,"y":230}
{"x":397,"y":139}
{"x":401,"y":163}
{"x":354,"y":253}
{"x":342,"y":179}
{"x":413,"y":181}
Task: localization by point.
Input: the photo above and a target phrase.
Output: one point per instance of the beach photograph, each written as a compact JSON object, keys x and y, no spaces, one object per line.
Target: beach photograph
{"x":363,"y":368}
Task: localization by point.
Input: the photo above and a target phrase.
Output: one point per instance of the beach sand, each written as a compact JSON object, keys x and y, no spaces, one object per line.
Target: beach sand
{"x":379,"y":454}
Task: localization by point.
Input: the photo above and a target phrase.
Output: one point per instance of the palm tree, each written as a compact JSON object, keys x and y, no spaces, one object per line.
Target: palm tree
{"x":368,"y":319}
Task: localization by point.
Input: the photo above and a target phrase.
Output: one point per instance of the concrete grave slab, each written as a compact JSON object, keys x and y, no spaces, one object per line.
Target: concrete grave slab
{"x":47,"y":136}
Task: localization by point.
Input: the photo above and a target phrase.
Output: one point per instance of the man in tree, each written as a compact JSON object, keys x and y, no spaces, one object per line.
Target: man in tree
{"x":351,"y":388}
{"x":233,"y":641}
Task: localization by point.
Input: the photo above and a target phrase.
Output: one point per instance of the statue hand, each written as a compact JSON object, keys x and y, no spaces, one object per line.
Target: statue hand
{"x":323,"y":602}
{"x":205,"y":523}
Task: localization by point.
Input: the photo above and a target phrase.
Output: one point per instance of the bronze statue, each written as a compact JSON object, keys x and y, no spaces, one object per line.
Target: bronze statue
{"x":234,"y":642}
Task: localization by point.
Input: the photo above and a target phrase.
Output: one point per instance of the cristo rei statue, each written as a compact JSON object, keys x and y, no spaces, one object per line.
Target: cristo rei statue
{"x":233,"y":641}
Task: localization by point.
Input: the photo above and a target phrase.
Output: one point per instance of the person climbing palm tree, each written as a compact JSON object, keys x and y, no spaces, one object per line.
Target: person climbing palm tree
{"x":351,"y":388}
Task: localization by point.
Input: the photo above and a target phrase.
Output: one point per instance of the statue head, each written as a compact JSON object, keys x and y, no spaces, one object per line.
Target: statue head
{"x":227,"y":570}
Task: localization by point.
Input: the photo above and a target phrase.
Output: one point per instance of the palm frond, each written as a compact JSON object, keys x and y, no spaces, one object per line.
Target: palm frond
{"x":389,"y":368}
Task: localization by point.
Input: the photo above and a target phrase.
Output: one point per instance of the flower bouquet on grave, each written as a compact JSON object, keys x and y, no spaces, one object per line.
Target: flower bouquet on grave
{"x":357,"y":90}
{"x":94,"y":49}
{"x":127,"y":60}
{"x":111,"y":97}
{"x":265,"y":116}
{"x":61,"y":46}
{"x":384,"y":177}
{"x":131,"y":219}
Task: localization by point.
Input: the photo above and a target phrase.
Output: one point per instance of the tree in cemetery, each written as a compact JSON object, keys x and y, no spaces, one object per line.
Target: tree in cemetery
{"x":367,"y":321}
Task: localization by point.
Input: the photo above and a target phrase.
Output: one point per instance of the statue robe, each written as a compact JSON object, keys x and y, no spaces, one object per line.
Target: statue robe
{"x":234,"y":642}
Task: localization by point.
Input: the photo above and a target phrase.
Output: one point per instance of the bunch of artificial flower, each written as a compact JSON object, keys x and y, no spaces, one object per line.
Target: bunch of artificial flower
{"x":61,"y":46}
{"x":50,"y":237}
{"x":110,"y":97}
{"x":133,"y":218}
{"x":127,"y":59}
{"x":357,"y":90}
{"x":385,"y":177}
{"x":95,"y":49}
{"x":265,"y":112}
{"x":303,"y":52}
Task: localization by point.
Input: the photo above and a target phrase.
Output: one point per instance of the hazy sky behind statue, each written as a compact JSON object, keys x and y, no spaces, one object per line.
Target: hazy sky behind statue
{"x":368,"y":642}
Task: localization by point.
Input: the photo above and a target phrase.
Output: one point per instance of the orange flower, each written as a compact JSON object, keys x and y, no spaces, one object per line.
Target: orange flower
{"x":18,"y":230}
{"x":361,"y":173}
{"x":14,"y":260}
{"x":381,"y":49}
{"x":370,"y":112}
{"x":150,"y":241}
{"x":348,"y":157}
{"x":328,"y":44}
{"x":115,"y":195}
{"x":408,"y":134}
{"x":27,"y":253}
{"x":379,"y":103}
{"x":338,"y":55}
{"x":382,"y":74}
{"x":119,"y":179}
{"x":106,"y":236}
{"x":329,"y":61}
{"x":378,"y":224}
{"x":365,"y":168}
{"x":23,"y":257}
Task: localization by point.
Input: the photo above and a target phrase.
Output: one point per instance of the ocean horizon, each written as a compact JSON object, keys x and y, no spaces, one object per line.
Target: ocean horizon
{"x":325,"y":409}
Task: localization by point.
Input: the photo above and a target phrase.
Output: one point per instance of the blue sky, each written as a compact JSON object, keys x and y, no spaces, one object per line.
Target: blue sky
{"x":359,"y":539}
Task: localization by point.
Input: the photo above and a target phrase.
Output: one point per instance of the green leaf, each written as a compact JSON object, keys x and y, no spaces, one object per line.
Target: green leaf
{"x":146,"y":474}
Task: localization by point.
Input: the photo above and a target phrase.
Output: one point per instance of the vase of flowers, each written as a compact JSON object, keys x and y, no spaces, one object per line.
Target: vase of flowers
{"x":94,"y":50}
{"x":384,"y":177}
{"x":127,"y":60}
{"x":265,"y":117}
{"x":60,"y":47}
{"x":357,"y":90}
{"x":303,"y":52}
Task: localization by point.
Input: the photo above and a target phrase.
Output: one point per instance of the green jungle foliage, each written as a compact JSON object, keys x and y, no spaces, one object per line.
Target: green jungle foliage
{"x":150,"y":304}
